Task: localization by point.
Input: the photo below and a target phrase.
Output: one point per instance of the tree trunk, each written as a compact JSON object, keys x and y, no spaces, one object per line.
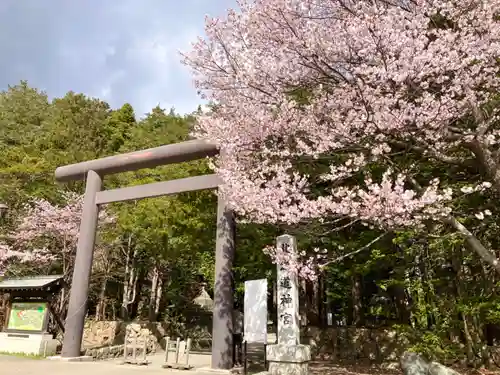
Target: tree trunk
{"x":130,"y":280}
{"x":126,"y":292}
{"x":153,"y":294}
{"x":357,"y":304}
{"x":129,"y":292}
{"x":305,"y":306}
{"x":136,"y":295}
{"x":313,"y":303}
{"x":101,"y":305}
{"x":321,"y":302}
{"x":420,"y":295}
{"x":159,"y":294}
{"x":63,"y":288}
{"x":61,"y":300}
{"x":457,"y":262}
{"x":468,"y":340}
{"x":481,"y":340}
{"x":274,"y":306}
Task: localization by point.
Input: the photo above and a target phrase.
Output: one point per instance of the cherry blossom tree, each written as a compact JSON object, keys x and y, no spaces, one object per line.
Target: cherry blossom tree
{"x":8,"y":257}
{"x":51,"y":231}
{"x":344,"y":86}
{"x":44,"y":220}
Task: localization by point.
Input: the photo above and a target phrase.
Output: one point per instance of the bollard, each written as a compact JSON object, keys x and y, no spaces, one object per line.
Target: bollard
{"x":134,"y":350}
{"x":125,"y":349}
{"x":181,"y":357}
{"x":167,"y":343}
{"x":188,"y":348}
{"x":135,"y":342}
{"x":177,"y":350}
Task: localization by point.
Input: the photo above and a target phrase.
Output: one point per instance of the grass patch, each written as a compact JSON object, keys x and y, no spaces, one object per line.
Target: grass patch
{"x":22,"y":355}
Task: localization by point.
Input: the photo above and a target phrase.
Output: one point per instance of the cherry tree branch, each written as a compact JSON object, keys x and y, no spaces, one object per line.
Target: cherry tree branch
{"x":436,"y":154}
{"x":472,"y":241}
{"x":339,"y":228}
{"x":365,"y":247}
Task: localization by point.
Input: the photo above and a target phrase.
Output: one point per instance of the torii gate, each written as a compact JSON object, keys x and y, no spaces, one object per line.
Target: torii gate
{"x":93,"y":172}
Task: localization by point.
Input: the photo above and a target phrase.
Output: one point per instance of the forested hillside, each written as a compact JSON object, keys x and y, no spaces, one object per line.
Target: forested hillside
{"x":153,"y":255}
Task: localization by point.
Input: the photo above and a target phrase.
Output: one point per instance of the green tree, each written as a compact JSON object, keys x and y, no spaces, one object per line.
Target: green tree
{"x":117,"y":129}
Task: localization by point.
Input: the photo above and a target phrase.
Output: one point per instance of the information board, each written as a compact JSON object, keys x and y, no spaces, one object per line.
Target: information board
{"x":255,"y":315}
{"x":27,"y":316}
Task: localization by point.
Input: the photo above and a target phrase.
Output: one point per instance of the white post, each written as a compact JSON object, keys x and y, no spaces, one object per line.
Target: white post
{"x":134,"y":350}
{"x":177,"y":344}
{"x":125,"y":349}
{"x":188,"y":349}
{"x":167,"y":343}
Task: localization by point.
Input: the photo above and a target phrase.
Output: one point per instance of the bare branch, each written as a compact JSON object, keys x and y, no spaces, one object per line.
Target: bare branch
{"x":488,"y":256}
{"x":338,"y":229}
{"x":338,"y":259}
{"x":436,"y":154}
{"x":472,"y":241}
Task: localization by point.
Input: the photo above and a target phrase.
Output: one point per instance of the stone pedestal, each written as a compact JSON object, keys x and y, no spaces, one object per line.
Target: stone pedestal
{"x":287,"y":359}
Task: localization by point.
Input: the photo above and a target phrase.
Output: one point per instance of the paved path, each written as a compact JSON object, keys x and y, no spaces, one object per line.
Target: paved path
{"x":27,"y":366}
{"x":12,"y":365}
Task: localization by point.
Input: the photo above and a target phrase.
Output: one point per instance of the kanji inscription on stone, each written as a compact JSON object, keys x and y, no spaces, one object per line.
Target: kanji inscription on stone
{"x":288,"y":296}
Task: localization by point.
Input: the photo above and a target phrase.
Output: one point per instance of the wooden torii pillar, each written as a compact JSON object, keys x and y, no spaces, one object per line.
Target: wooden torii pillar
{"x":93,"y":172}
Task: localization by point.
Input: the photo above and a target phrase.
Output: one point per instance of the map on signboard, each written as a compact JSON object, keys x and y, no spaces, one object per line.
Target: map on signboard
{"x":27,"y":316}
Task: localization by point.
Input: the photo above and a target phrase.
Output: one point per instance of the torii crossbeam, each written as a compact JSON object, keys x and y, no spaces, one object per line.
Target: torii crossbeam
{"x":93,"y":172}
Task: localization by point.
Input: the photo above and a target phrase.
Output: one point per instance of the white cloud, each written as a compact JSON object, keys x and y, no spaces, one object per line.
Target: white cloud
{"x":125,"y":52}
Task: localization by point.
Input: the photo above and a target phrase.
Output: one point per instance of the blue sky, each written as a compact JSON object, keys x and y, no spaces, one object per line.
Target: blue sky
{"x":118,"y":50}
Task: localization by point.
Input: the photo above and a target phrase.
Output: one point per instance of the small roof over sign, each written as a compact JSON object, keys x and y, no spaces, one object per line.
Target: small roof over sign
{"x":33,"y":282}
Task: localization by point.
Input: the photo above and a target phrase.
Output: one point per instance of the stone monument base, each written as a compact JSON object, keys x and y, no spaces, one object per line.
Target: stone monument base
{"x":286,"y":359}
{"x":28,"y":343}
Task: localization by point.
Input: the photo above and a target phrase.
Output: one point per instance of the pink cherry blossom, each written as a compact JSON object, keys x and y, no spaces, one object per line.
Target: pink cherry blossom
{"x":47,"y":232}
{"x":43,"y":219}
{"x":7,"y":255}
{"x":372,"y":76}
{"x":300,"y":264}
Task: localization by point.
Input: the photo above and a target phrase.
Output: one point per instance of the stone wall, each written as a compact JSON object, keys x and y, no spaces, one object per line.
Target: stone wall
{"x":341,"y":343}
{"x":354,"y":344}
{"x":105,"y":352}
{"x":105,"y":339}
{"x":101,"y":333}
{"x":98,"y":334}
{"x":106,"y":348}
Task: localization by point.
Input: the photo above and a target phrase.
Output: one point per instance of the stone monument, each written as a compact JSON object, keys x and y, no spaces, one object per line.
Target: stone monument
{"x":288,"y":357}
